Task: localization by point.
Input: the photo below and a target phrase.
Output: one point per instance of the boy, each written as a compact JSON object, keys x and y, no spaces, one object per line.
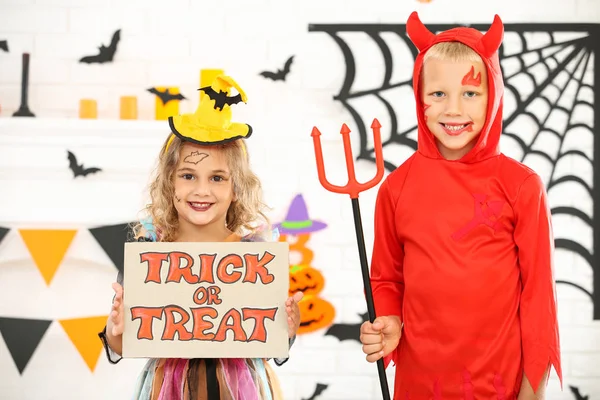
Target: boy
{"x":462,"y":262}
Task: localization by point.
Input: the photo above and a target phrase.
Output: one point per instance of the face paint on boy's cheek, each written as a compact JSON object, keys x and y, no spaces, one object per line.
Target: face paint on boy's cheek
{"x":195,"y":157}
{"x":471,"y":79}
{"x":425,"y":107}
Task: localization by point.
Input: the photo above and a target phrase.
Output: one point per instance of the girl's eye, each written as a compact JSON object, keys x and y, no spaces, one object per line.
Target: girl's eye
{"x":437,"y":94}
{"x":187,"y":176}
{"x":470,"y":94}
{"x":218,"y":178}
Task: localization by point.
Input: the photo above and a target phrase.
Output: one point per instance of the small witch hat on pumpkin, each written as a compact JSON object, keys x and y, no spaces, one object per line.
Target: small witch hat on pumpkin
{"x":297,"y":220}
{"x":211,"y":123}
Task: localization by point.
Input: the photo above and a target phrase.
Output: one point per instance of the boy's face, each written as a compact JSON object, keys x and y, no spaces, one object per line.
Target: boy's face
{"x":455,"y":97}
{"x":203,"y":186}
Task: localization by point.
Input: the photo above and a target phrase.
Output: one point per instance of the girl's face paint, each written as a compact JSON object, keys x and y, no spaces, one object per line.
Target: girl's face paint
{"x":203,"y":187}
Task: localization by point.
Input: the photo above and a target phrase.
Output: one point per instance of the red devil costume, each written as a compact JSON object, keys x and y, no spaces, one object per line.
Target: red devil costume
{"x":463,"y":255}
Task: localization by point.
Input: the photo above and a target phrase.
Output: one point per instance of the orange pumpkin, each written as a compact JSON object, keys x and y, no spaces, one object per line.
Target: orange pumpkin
{"x":305,"y":279}
{"x":315,"y":313}
{"x":298,"y":249}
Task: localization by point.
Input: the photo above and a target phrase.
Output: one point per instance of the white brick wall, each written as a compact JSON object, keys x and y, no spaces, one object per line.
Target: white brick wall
{"x":163,"y":45}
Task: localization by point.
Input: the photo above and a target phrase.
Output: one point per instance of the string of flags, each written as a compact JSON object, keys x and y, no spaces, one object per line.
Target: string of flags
{"x":22,"y":337}
{"x":47,"y":248}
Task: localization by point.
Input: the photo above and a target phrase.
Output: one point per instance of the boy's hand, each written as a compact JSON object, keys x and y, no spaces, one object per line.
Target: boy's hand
{"x":116,"y":313}
{"x":381,"y":337}
{"x":293,"y":313}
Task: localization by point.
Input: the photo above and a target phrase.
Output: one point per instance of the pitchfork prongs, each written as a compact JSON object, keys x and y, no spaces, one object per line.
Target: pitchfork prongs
{"x":353,"y":187}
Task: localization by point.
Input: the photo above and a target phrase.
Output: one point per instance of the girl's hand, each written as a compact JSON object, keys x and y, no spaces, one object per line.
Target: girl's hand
{"x":293,"y":313}
{"x":116,"y":313}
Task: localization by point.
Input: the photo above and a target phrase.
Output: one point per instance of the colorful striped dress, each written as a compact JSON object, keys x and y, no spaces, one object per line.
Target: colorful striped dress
{"x":204,"y":379}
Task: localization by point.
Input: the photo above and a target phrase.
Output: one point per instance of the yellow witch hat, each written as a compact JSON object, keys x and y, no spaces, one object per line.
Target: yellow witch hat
{"x":211,"y":122}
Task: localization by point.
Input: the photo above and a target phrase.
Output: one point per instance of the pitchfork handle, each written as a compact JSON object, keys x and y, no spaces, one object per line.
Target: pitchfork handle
{"x":368,"y":291}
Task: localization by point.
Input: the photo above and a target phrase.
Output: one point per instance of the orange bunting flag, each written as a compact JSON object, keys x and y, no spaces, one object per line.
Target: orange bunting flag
{"x":48,"y":248}
{"x":83,"y":332}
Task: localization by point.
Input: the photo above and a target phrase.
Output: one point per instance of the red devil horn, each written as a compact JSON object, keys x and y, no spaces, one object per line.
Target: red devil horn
{"x":492,"y":39}
{"x":418,"y":33}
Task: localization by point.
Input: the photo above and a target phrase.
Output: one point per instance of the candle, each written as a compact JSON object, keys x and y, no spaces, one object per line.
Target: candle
{"x":23,"y":110}
{"x":88,"y":109}
{"x":128,"y":107}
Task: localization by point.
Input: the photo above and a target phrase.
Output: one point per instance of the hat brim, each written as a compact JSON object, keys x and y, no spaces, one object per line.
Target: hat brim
{"x":204,"y":135}
{"x":314,"y":227}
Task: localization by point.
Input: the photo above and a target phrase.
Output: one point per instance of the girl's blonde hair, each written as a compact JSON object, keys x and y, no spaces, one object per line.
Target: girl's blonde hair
{"x":452,"y":51}
{"x":244,"y":212}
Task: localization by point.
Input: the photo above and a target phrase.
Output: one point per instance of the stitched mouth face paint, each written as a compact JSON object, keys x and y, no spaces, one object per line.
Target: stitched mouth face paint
{"x":457,"y":129}
{"x":470,"y":79}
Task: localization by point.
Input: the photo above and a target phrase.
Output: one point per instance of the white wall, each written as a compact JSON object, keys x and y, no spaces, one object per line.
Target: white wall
{"x":161,"y":46}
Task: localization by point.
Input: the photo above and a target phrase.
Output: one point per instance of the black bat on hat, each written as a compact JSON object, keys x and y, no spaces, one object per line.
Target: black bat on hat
{"x":221,"y":98}
{"x":318,"y":390}
{"x":106,"y":54}
{"x":78,"y":169}
{"x":4,"y":45}
{"x":281,"y":74}
{"x":166,"y":96}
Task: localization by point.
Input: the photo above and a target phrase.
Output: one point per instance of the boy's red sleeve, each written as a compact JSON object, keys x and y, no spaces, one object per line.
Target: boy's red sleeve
{"x":535,"y":242}
{"x":387,"y":278}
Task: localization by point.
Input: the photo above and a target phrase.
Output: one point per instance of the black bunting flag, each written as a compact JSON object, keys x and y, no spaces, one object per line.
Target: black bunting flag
{"x":112,"y":239}
{"x":22,"y":337}
{"x":3,"y":232}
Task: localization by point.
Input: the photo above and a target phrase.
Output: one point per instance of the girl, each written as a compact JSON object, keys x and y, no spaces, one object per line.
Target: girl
{"x":204,"y":191}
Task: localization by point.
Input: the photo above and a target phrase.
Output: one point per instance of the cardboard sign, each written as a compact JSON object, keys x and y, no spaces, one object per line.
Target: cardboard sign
{"x":205,"y":300}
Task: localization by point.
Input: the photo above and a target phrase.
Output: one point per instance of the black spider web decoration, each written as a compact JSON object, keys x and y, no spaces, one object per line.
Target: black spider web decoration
{"x":550,"y":121}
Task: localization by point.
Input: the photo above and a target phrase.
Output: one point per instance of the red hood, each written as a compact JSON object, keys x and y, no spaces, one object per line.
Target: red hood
{"x":487,"y":47}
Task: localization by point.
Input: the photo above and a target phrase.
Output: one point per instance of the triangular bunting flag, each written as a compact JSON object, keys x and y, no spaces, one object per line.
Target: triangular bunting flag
{"x":22,"y":337}
{"x":112,"y":239}
{"x":47,"y":247}
{"x":83,"y":332}
{"x":3,"y":232}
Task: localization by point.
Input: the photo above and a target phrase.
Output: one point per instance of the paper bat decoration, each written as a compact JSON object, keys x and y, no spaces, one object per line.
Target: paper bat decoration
{"x":78,"y":169}
{"x":281,"y":74}
{"x":576,"y":393}
{"x":106,"y":54}
{"x":166,"y":96}
{"x":4,"y":45}
{"x":318,"y":390}
{"x":347,"y":331}
{"x":221,"y":98}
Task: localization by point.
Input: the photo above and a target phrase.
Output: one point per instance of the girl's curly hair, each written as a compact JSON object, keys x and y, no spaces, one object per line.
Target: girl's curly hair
{"x":244,"y":214}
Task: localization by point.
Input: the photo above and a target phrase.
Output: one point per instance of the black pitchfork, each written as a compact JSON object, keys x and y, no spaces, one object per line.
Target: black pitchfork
{"x":353,"y":188}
